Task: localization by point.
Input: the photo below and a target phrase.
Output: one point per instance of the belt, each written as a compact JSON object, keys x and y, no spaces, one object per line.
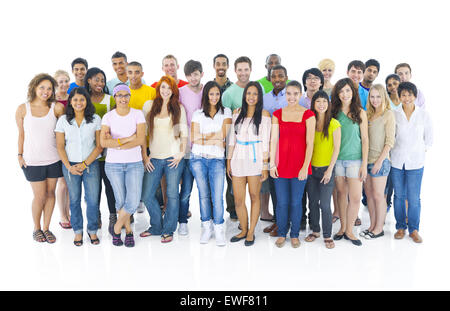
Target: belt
{"x":246,"y":143}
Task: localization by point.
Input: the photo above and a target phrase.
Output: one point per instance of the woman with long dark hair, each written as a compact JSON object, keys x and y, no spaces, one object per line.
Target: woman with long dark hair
{"x":208,"y":132}
{"x":95,"y":84}
{"x":351,"y":166}
{"x":248,"y":156}
{"x":320,"y":184}
{"x":78,"y":144}
{"x":168,"y":135}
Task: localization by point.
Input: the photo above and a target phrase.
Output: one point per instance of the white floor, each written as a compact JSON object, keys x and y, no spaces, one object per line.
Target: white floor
{"x":185,"y":264}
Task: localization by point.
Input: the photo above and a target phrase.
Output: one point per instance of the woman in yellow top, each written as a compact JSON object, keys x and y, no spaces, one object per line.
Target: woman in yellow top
{"x":327,"y":142}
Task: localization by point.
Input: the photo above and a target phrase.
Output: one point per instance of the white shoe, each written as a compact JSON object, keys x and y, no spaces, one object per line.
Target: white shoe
{"x":219,"y":232}
{"x":141,"y":207}
{"x":183,"y":229}
{"x":207,"y":231}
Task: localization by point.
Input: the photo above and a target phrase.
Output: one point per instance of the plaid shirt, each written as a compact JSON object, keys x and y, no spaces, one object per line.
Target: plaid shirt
{"x":225,"y":86}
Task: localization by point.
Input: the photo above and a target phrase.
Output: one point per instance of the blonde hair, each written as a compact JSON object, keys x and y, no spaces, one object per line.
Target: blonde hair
{"x":61,"y":73}
{"x":384,"y":98}
{"x":326,"y":63}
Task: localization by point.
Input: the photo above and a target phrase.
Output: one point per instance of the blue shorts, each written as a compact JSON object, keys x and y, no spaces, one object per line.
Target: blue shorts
{"x":347,"y":168}
{"x":384,"y":169}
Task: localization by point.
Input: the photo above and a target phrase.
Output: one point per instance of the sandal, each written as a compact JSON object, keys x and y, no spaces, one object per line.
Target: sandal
{"x":145,"y":234}
{"x":65,"y":225}
{"x":311,"y":237}
{"x":335,"y":218}
{"x":39,"y":236}
{"x":358,"y":222}
{"x":79,"y":242}
{"x":49,"y":236}
{"x":329,"y":244}
{"x":93,"y":241}
{"x":166,"y":238}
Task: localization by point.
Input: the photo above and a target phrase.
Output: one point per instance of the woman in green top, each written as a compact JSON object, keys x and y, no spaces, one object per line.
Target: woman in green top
{"x":95,"y":83}
{"x":351,"y":166}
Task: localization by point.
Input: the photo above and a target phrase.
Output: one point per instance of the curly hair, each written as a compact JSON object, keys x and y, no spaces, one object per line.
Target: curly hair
{"x":34,"y":84}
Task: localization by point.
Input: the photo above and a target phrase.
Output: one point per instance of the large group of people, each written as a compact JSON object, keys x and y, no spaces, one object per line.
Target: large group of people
{"x":300,"y":144}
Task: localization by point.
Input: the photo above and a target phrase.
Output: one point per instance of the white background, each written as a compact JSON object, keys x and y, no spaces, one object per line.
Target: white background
{"x":44,"y":36}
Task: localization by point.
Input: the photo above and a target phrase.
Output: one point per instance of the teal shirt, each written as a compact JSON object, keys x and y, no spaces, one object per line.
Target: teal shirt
{"x":232,"y":97}
{"x":351,"y":145}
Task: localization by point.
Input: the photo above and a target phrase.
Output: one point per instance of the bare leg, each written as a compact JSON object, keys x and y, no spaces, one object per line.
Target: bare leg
{"x":368,"y":189}
{"x":342,"y":196}
{"x":39,"y":198}
{"x":254,"y":187}
{"x":239,"y":189}
{"x":62,"y":197}
{"x":49,"y":202}
{"x":378,"y":186}
{"x":355,"y":192}
{"x":335,"y":203}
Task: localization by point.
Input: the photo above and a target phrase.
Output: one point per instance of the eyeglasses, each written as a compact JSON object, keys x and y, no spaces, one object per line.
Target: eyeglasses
{"x":123,"y":96}
{"x":313,"y":78}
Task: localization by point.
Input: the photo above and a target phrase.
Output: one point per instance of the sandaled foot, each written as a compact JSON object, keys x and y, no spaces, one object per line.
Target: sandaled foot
{"x":312,"y":236}
{"x":166,"y":238}
{"x":65,"y":225}
{"x":145,"y":234}
{"x":335,"y":218}
{"x":39,"y":236}
{"x":280,"y":242}
{"x":329,"y":243}
{"x":94,"y":239}
{"x":78,"y":241}
{"x":358,"y":222}
{"x":49,"y":236}
{"x":295,"y":242}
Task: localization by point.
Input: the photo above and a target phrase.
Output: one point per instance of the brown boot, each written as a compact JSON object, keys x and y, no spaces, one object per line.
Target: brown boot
{"x":416,"y":237}
{"x":274,"y":232}
{"x":270,"y":228}
{"x":400,"y":234}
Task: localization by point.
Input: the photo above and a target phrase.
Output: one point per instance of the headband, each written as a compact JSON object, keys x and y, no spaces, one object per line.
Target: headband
{"x":121,"y":87}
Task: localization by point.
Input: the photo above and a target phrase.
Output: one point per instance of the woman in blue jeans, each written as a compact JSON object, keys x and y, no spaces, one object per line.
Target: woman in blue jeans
{"x":413,"y":137}
{"x":78,"y":145}
{"x":123,"y":133}
{"x":168,"y":135}
{"x":208,"y":132}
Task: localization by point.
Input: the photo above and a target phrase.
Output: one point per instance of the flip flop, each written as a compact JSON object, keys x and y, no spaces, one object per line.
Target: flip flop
{"x":329,"y":244}
{"x":145,"y":234}
{"x":65,"y":225}
{"x":166,"y":238}
{"x":335,"y":218}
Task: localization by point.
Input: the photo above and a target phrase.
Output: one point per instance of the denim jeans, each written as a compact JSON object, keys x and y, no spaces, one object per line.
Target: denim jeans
{"x":319,"y":196}
{"x":126,"y":180}
{"x":289,"y":205}
{"x":152,"y":180}
{"x":91,"y":181}
{"x":209,"y":175}
{"x":407,"y":185}
{"x":185,"y":192}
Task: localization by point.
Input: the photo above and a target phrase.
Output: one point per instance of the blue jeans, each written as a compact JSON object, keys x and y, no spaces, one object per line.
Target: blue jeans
{"x":407,"y":185}
{"x":209,"y":175}
{"x":152,"y":180}
{"x":126,"y":181}
{"x":91,"y":182}
{"x":289,"y":205}
{"x":185,"y":192}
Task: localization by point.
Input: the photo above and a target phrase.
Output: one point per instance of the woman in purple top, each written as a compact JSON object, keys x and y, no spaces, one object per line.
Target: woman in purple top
{"x":38,"y":158}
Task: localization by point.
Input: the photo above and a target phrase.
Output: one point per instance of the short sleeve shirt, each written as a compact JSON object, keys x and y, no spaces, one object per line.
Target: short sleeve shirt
{"x":232,"y":97}
{"x":323,"y":147}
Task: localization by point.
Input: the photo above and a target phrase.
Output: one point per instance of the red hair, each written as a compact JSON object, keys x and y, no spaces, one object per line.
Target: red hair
{"x":173,"y":107}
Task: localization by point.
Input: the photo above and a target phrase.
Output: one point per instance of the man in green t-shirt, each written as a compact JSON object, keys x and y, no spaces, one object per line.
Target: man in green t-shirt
{"x":232,"y":97}
{"x":271,"y":60}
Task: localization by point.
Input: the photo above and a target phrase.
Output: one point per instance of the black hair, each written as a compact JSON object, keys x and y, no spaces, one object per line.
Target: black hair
{"x":89,"y":111}
{"x":191,"y":66}
{"x":296,"y":84}
{"x":91,"y":73}
{"x":243,"y":59}
{"x":206,"y":106}
{"x":80,"y":60}
{"x":392,"y":76}
{"x":278,"y":67}
{"x":119,"y":55}
{"x":373,"y":62}
{"x":221,"y":55}
{"x":315,"y":72}
{"x":327,"y":120}
{"x":138,"y":64}
{"x":408,"y":87}
{"x":357,"y":64}
{"x":257,"y":116}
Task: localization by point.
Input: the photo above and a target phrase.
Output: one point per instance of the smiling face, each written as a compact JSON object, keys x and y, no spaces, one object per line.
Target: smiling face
{"x":392,"y":86}
{"x":214,"y":96}
{"x":356,"y":74}
{"x":195,"y":78}
{"x":135,"y":74}
{"x":321,"y":105}
{"x":79,"y":71}
{"x":293,"y":95}
{"x":165,"y":91}
{"x":221,"y":66}
{"x":119,"y":65}
{"x":78,"y":102}
{"x":375,"y":99}
{"x":404,"y":73}
{"x":251,"y":97}
{"x":407,"y":97}
{"x":44,"y":90}
{"x":63,"y":83}
{"x":313,"y":83}
{"x":243,"y":71}
{"x":346,"y":95}
{"x":97,"y":83}
{"x":327,"y":73}
{"x":170,"y":67}
{"x":272,"y":61}
{"x":122,"y":98}
{"x":278,"y":79}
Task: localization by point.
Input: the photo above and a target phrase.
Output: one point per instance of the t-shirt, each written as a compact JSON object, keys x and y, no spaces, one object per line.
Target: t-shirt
{"x":106,"y":105}
{"x":72,"y":86}
{"x":266,"y":84}
{"x":232,"y":97}
{"x":207,"y":126}
{"x":140,"y":96}
{"x":351,"y":145}
{"x":113,"y":82}
{"x":323,"y":147}
{"x":80,"y":141}
{"x":121,"y":127}
{"x":191,"y":102}
{"x":363,"y":96}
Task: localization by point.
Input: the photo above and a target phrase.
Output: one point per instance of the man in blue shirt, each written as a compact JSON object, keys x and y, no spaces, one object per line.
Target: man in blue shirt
{"x":370,"y":74}
{"x":79,"y":69}
{"x":355,"y":71}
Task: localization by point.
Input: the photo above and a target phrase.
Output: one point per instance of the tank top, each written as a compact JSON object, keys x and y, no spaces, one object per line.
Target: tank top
{"x":351,"y":147}
{"x":291,"y":145}
{"x":39,"y":146}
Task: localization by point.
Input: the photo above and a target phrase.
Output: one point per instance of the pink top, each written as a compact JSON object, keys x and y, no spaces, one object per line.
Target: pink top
{"x":248,"y":151}
{"x":121,"y":127}
{"x":191,"y":102}
{"x":39,"y":146}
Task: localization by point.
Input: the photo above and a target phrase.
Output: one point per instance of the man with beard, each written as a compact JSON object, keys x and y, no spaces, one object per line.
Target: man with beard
{"x":370,"y":74}
{"x":221,"y":66}
{"x":170,"y":67}
{"x":274,"y":100}
{"x":271,"y":61}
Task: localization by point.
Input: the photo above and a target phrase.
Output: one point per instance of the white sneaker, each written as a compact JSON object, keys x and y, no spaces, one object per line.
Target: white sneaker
{"x":219,"y":232}
{"x":141,"y":207}
{"x":183,"y":229}
{"x":206,"y":231}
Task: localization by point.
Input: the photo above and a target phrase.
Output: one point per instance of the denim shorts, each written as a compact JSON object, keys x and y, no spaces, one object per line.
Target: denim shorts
{"x":384,"y":170}
{"x":347,"y":168}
